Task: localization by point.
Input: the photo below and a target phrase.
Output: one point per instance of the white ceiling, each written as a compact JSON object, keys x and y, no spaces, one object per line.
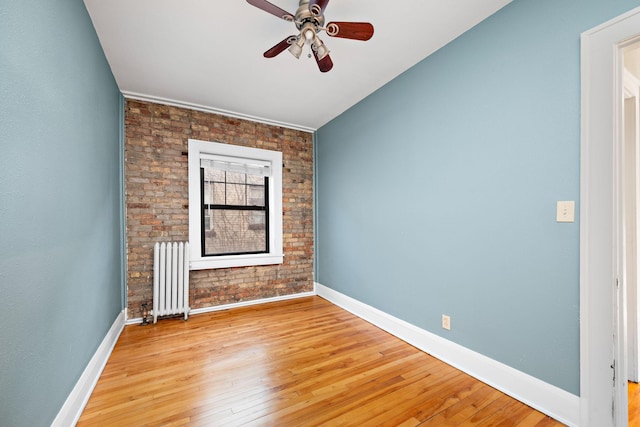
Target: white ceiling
{"x":207,"y":54}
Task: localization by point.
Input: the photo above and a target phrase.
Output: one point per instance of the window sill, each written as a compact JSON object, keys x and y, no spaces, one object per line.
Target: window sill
{"x":235,"y":261}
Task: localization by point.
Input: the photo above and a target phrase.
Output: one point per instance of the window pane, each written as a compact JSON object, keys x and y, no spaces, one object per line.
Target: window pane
{"x":231,"y":231}
{"x":218,"y":197}
{"x":236,"y":177}
{"x":255,"y":195}
{"x":208,"y":224}
{"x":236,"y":195}
{"x":208,"y":191}
{"x":257,"y":220}
{"x":215,"y":174}
{"x":255,"y":179}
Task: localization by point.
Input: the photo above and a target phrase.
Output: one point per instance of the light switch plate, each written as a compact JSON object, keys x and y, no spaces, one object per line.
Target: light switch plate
{"x":566,"y":211}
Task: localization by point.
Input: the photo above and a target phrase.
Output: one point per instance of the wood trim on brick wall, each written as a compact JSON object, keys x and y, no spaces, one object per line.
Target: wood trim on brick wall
{"x":156,"y":180}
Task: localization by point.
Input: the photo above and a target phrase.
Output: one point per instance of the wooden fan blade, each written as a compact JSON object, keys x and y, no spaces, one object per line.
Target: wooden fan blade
{"x":317,"y":7}
{"x":279,"y":48}
{"x":272,"y":9}
{"x":325,"y":64}
{"x":350,"y":30}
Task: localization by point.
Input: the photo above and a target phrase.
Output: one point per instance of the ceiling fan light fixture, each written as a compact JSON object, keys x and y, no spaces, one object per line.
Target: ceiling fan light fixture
{"x":296,"y":48}
{"x":309,"y":34}
{"x":319,"y":48}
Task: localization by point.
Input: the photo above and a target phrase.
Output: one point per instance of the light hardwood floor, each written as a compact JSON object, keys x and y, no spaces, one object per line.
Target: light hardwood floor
{"x":302,"y":362}
{"x":634,"y":404}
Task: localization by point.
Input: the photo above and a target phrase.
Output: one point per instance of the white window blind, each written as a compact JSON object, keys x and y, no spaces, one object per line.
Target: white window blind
{"x":254,"y":167}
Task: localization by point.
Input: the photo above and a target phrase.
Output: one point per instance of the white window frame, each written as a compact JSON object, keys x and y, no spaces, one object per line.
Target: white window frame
{"x":199,"y":149}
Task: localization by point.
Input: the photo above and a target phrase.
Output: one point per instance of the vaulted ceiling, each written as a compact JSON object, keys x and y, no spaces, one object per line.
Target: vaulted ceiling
{"x":207,"y":54}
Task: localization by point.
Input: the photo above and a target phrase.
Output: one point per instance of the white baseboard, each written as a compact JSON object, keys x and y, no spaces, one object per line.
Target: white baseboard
{"x":250,"y":303}
{"x":79,"y":396}
{"x":194,"y":311}
{"x":546,"y":398}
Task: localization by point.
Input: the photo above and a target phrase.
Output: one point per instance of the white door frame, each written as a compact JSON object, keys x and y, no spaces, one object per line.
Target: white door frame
{"x":603,"y":401}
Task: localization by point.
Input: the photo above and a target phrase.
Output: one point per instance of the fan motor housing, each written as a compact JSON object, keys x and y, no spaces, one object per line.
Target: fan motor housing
{"x":304,"y":15}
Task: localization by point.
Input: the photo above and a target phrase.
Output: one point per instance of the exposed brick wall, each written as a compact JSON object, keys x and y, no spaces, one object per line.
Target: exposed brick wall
{"x":156,"y":175}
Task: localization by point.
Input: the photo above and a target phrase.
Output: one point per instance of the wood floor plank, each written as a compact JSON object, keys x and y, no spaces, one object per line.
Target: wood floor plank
{"x":466,"y":408}
{"x":424,"y":409}
{"x":303,"y":362}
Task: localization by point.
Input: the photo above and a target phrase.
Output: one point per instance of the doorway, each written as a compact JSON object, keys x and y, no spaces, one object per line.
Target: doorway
{"x":603,"y":321}
{"x":631,"y":219}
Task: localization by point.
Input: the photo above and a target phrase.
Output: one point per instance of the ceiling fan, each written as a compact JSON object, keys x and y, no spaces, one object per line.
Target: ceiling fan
{"x":309,"y":19}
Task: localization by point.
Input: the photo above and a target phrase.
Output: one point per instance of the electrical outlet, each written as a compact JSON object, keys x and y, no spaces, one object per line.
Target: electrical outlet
{"x":446,"y":322}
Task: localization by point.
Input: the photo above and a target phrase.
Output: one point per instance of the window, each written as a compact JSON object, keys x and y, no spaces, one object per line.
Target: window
{"x":235,"y":205}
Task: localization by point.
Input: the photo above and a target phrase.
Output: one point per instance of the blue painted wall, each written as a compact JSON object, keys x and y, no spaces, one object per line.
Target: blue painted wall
{"x":60,"y":204}
{"x":437,"y":194}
